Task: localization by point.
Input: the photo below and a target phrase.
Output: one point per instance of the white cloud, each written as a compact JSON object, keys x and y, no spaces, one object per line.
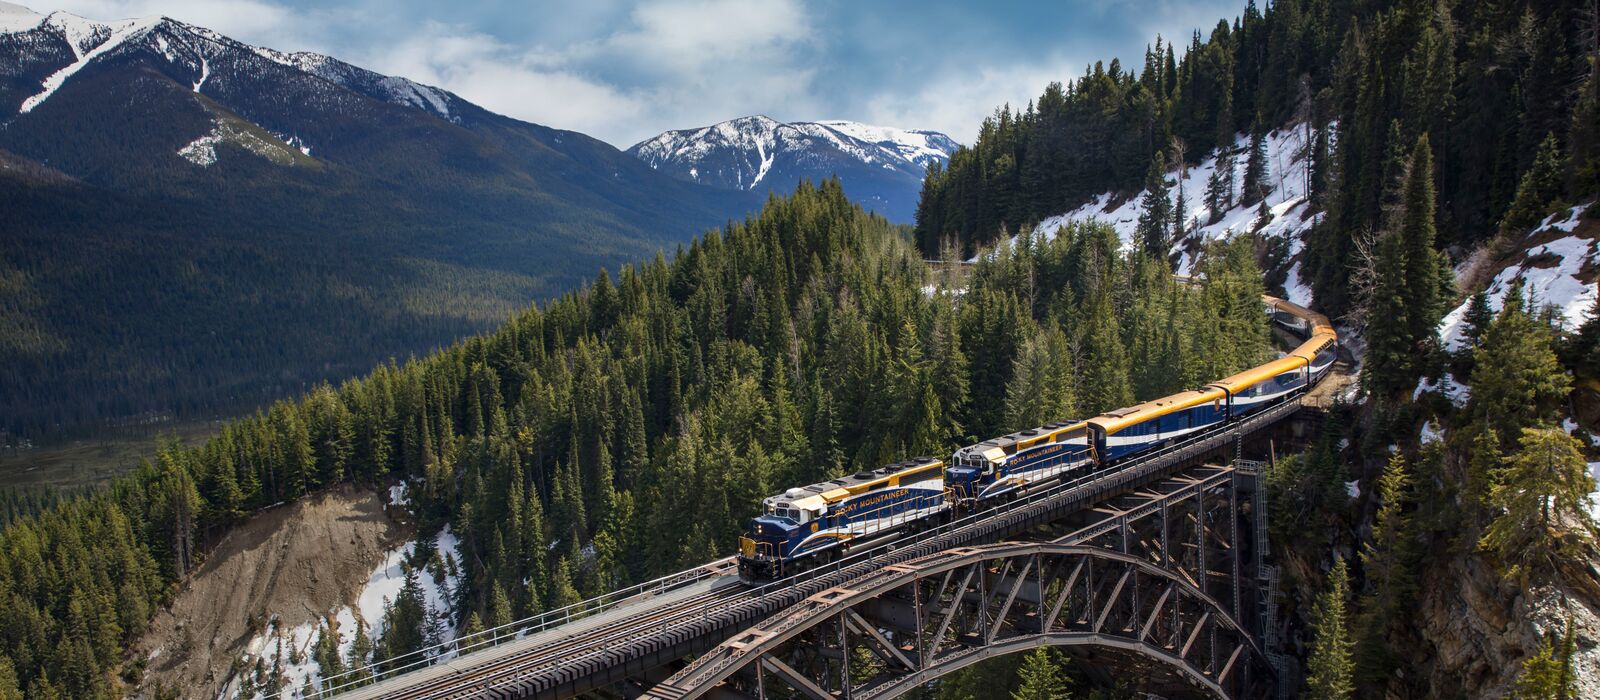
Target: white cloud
{"x":957,"y":102}
{"x":675,"y":63}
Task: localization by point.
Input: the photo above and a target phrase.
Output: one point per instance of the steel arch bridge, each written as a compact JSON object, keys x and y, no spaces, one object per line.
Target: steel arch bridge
{"x":1157,"y":589}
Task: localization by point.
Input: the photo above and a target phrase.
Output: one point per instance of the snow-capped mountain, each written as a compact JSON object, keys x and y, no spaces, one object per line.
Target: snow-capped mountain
{"x":152,"y":169}
{"x":880,"y":167}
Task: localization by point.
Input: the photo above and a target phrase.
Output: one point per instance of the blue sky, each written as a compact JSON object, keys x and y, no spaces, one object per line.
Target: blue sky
{"x":625,"y":70}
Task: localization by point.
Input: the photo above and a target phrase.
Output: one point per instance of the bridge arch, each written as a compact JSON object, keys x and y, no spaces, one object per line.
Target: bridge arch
{"x":909,"y":623}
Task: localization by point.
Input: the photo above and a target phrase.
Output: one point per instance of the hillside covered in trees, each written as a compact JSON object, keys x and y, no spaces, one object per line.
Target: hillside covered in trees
{"x":626,"y":430}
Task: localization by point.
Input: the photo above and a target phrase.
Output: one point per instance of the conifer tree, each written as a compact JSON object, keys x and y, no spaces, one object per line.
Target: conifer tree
{"x":1041,"y":388}
{"x":1543,"y":486}
{"x":1540,"y":186}
{"x":499,"y":612}
{"x":1330,"y":672}
{"x":1387,"y":560}
{"x":1103,"y":372}
{"x":1517,"y":381}
{"x":1545,"y":675}
{"x":10,"y":688}
{"x":1219,"y":187}
{"x":1257,"y":173}
{"x":1040,"y":677}
{"x":1429,"y":279}
{"x":562,"y":592}
{"x":1581,"y":351}
{"x":1477,"y":319}
{"x":1155,"y":211}
{"x":471,"y":630}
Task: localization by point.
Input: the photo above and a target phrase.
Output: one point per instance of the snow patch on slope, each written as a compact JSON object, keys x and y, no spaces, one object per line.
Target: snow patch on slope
{"x":381,"y":589}
{"x":81,"y":34}
{"x":16,"y":18}
{"x":921,"y":147}
{"x":1550,"y":274}
{"x":1287,"y":160}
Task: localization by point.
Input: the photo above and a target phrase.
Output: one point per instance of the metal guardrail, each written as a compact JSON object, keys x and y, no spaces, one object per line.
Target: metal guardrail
{"x":428,"y":656}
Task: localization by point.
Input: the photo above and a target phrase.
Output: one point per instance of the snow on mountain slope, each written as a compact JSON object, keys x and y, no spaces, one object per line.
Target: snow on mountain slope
{"x":1287,"y":160}
{"x":16,"y":18}
{"x":921,"y":147}
{"x":296,"y":645}
{"x":187,"y":48}
{"x":89,"y":41}
{"x":1557,"y":270}
{"x":880,"y":167}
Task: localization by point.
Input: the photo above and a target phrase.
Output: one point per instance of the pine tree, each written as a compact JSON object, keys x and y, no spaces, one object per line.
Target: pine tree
{"x":471,"y":631}
{"x":1545,"y":675}
{"x":1517,"y":381}
{"x":1540,"y":186}
{"x":1219,"y":187}
{"x":1387,"y":560}
{"x":10,"y":688}
{"x":1429,"y":280}
{"x":1330,"y":673}
{"x":1388,"y":370}
{"x":1257,"y":175}
{"x":1581,"y":351}
{"x":1041,"y":387}
{"x":1477,"y":319}
{"x":1103,"y":381}
{"x":562,"y":592}
{"x":1155,"y":211}
{"x":1040,"y":677}
{"x":1542,"y":487}
{"x":499,"y":611}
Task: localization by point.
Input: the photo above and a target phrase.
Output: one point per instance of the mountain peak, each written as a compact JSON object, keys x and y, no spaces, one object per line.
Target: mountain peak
{"x":881,"y":167}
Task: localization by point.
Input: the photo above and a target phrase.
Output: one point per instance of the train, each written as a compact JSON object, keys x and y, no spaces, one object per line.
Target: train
{"x":814,"y":525}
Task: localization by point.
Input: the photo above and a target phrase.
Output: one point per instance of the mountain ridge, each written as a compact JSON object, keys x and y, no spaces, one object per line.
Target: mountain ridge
{"x":167,"y":185}
{"x":880,"y":167}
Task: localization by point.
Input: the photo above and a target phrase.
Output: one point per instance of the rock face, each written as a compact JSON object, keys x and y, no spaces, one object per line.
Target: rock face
{"x":1478,"y":628}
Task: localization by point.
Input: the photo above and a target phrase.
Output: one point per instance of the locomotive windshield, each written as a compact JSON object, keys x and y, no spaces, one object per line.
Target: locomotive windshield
{"x":782,"y":510}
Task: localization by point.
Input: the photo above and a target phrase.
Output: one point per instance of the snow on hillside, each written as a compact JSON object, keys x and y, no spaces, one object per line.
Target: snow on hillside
{"x":743,"y":151}
{"x":199,"y":49}
{"x":382,"y":588}
{"x":16,"y":18}
{"x":921,"y":147}
{"x":89,"y":40}
{"x":1551,"y":273}
{"x":1287,"y":158}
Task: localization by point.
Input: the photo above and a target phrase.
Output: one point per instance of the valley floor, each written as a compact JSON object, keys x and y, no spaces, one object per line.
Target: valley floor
{"x":92,"y":461}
